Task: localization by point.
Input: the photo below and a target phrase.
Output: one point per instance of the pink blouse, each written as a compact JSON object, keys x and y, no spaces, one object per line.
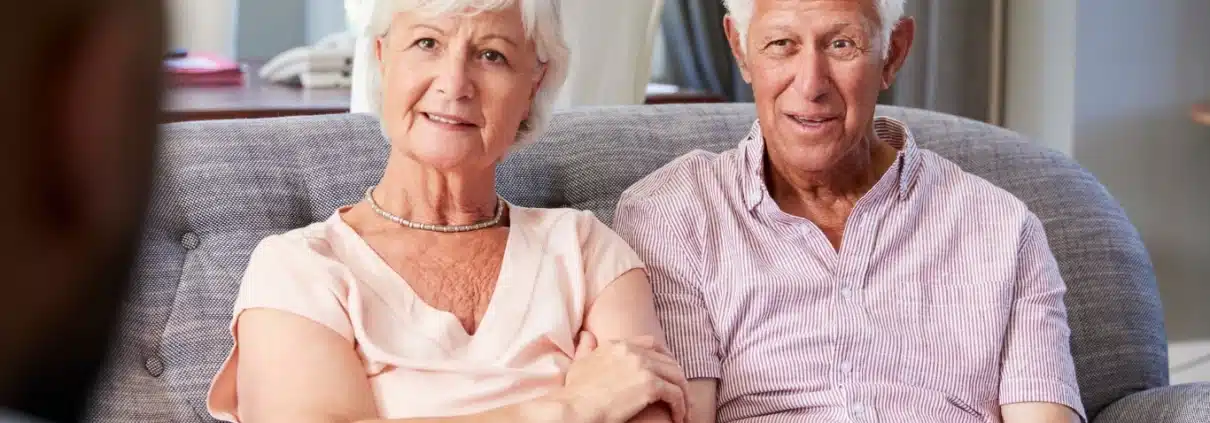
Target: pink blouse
{"x":419,"y":360}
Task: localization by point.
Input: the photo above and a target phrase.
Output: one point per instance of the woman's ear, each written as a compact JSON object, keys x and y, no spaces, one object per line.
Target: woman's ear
{"x":542,"y":67}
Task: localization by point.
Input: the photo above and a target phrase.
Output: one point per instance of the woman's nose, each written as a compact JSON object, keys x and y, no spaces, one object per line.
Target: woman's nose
{"x":453,"y":78}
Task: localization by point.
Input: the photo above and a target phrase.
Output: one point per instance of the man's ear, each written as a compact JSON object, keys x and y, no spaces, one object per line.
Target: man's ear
{"x":901,"y":44}
{"x":379,"y":44}
{"x":737,"y":46}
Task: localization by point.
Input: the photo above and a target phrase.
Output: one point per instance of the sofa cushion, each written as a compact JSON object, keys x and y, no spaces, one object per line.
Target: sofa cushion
{"x":224,"y":185}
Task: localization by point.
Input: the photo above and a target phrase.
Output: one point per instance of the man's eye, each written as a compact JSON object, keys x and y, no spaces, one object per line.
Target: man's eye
{"x":426,"y":43}
{"x":784,"y":42}
{"x":843,"y":44}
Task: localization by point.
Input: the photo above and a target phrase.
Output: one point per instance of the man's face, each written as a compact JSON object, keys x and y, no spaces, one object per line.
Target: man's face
{"x":816,"y":68}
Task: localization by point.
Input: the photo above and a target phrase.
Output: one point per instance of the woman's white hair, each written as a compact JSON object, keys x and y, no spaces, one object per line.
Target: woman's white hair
{"x":889,"y":14}
{"x":542,"y":25}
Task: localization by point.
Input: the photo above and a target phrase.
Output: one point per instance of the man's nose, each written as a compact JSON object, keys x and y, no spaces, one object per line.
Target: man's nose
{"x":453,"y":76}
{"x":813,"y":76}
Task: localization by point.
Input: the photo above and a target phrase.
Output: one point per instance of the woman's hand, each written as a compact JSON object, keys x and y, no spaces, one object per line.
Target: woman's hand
{"x":616,"y":381}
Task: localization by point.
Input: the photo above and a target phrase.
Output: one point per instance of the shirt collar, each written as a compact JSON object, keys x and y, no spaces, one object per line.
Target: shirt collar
{"x":889,"y":130}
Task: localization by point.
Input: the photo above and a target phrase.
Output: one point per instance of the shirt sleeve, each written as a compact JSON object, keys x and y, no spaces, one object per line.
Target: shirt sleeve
{"x":1038,"y":365}
{"x":285,"y":274}
{"x":606,"y":255}
{"x":675,"y":283}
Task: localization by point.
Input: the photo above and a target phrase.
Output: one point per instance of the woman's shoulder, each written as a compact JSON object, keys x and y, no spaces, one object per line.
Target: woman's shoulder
{"x":309,"y":248}
{"x":572,"y":229}
{"x":558,"y":221}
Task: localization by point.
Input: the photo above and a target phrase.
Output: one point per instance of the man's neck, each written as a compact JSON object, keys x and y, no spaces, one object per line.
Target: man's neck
{"x":834,"y":190}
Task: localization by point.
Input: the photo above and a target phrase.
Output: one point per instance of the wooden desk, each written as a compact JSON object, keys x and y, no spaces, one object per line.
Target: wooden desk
{"x":1201,"y":113}
{"x":258,"y":98}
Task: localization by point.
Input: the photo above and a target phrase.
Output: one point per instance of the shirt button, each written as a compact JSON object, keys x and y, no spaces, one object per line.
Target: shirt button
{"x":857,"y":408}
{"x":846,"y":292}
{"x":846,"y":367}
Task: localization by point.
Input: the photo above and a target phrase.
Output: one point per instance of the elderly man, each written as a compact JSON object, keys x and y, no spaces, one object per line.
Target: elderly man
{"x":828,"y":269}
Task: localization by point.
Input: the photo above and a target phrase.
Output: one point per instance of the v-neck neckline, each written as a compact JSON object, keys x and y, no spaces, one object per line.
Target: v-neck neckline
{"x":440,"y":326}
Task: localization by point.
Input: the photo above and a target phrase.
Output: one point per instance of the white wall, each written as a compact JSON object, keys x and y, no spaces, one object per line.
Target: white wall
{"x":203,"y":25}
{"x":1110,"y":82}
{"x":324,"y":17}
{"x":1040,"y":70}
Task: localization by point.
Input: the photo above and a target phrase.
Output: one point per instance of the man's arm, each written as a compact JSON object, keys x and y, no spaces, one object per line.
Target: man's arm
{"x":683,"y":311}
{"x":703,"y":400}
{"x":1038,"y":377}
{"x":1038,"y":412}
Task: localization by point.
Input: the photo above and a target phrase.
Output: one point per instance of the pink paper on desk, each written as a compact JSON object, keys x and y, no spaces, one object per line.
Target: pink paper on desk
{"x":203,"y":70}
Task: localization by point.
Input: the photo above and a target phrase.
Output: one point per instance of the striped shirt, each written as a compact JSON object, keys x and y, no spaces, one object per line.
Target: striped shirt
{"x":942,"y":303}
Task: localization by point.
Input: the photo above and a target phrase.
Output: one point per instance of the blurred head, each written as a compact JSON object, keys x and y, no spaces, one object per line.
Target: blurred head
{"x":816,"y":68}
{"x":463,"y":81}
{"x":80,"y":84}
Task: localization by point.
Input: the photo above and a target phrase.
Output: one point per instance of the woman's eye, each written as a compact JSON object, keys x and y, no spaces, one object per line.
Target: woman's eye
{"x":493,"y":56}
{"x":426,"y":43}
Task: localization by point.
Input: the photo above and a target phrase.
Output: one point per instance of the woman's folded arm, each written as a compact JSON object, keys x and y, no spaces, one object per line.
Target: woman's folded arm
{"x":294,"y":370}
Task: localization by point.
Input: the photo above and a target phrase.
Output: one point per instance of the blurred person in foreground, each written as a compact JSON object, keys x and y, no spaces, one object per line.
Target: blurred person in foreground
{"x":829,"y":269}
{"x":78,"y":110}
{"x":433,"y":299}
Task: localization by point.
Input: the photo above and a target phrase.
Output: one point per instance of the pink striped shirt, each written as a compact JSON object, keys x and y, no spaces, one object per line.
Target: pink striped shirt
{"x":943,"y":302}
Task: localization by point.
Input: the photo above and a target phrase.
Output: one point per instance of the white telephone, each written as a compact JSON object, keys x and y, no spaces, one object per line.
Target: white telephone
{"x":326,"y":64}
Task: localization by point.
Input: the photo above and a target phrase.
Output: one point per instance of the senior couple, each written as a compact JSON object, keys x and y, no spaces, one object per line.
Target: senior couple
{"x":826,"y":269}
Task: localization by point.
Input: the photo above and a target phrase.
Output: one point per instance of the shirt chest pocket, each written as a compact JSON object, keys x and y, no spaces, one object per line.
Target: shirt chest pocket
{"x":953,"y":333}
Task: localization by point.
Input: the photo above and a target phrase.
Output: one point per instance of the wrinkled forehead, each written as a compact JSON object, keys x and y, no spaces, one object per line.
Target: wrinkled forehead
{"x":815,"y":14}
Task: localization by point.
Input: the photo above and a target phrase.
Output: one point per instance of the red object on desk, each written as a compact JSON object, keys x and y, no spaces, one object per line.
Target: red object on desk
{"x":203,"y":70}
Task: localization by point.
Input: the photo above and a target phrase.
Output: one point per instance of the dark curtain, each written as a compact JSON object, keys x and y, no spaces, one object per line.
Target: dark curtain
{"x":952,"y":66}
{"x":698,"y":55}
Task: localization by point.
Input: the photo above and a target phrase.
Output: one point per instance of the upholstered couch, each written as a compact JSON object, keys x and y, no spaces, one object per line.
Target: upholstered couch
{"x":224,"y":185}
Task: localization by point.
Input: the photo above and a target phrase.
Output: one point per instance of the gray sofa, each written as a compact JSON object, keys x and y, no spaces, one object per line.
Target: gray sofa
{"x":224,"y":185}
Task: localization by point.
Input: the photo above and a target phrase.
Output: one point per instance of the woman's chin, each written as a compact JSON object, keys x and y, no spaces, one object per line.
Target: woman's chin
{"x":446,"y":154}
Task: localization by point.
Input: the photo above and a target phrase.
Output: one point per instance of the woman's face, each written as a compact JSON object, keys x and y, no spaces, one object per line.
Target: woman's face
{"x":456,"y":88}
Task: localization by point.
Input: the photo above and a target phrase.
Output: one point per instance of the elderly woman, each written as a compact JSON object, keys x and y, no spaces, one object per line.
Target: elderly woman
{"x":433,"y":299}
{"x":828,"y":268}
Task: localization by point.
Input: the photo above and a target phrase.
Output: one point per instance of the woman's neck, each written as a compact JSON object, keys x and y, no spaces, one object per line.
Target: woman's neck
{"x":440,"y":197}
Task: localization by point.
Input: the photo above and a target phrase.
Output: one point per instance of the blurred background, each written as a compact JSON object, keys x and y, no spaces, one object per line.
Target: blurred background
{"x":1119,"y":85}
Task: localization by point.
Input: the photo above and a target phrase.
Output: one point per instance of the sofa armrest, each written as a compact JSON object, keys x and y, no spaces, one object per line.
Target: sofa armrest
{"x":1189,"y":403}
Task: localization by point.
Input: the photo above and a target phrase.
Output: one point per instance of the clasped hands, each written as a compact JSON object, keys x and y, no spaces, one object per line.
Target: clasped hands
{"x":614,"y":381}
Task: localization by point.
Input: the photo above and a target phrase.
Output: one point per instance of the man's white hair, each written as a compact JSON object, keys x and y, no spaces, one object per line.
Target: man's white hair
{"x":889,"y":14}
{"x":542,"y":25}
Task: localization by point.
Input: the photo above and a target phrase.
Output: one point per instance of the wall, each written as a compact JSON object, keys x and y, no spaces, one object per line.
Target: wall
{"x":1110,"y":82}
{"x":203,"y":25}
{"x":1040,"y":70}
{"x":269,"y":27}
{"x":324,"y":17}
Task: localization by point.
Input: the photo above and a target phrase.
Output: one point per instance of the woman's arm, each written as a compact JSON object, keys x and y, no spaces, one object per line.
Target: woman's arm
{"x":626,"y":310}
{"x":294,"y":370}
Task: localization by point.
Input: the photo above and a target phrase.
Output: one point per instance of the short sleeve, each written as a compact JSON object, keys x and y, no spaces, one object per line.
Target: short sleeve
{"x":287,"y":273}
{"x":675,"y":280}
{"x":284,"y":273}
{"x":605,"y":255}
{"x":1037,"y":365}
